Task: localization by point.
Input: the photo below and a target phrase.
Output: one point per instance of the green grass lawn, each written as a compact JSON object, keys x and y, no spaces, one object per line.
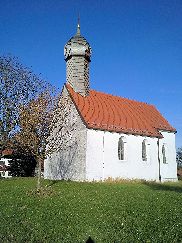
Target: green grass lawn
{"x":107,"y":212}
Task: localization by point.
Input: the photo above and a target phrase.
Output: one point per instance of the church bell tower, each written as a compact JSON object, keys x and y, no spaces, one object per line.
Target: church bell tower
{"x":77,"y":52}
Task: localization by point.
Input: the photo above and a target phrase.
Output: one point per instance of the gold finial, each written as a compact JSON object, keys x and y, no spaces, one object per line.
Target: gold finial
{"x":78,"y":25}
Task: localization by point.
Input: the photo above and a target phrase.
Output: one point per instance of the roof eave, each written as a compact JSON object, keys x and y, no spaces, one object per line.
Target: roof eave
{"x":125,"y":132}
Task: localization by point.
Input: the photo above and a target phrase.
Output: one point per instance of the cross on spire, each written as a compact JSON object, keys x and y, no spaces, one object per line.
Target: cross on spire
{"x":78,"y":26}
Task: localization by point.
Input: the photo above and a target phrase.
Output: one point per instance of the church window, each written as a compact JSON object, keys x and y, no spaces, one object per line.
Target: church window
{"x":144,"y":150}
{"x":164,"y":154}
{"x":121,"y":148}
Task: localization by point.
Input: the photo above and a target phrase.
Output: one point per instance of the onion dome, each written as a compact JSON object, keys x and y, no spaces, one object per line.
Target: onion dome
{"x":77,"y":46}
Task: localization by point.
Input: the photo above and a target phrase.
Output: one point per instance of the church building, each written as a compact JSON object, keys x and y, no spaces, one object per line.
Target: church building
{"x":96,"y":136}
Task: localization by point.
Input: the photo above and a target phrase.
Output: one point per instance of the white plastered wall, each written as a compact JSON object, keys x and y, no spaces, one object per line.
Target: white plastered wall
{"x":102,"y":157}
{"x":168,"y":169}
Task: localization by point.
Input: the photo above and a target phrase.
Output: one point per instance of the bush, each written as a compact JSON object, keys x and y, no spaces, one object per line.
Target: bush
{"x":22,"y":164}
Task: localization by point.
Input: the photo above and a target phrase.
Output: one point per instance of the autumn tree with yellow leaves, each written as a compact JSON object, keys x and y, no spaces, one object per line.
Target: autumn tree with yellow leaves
{"x":34,"y":121}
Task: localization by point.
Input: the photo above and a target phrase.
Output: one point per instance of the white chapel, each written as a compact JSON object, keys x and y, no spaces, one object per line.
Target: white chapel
{"x":96,"y":136}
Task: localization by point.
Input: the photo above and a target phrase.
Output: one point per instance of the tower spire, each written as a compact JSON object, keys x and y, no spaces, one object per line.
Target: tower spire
{"x":78,"y":25}
{"x":77,"y":53}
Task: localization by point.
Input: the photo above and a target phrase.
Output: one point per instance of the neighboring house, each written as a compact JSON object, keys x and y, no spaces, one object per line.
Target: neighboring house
{"x":107,"y":136}
{"x":4,"y":163}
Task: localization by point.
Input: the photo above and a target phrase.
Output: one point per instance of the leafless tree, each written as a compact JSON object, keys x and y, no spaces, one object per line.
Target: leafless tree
{"x":18,"y":86}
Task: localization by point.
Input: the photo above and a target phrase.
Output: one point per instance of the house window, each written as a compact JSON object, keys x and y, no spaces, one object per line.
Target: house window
{"x":164,"y":154}
{"x":121,"y":148}
{"x":2,"y":162}
{"x":144,"y":150}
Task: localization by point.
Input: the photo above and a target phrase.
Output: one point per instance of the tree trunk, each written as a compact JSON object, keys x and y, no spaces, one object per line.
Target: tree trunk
{"x":39,"y":174}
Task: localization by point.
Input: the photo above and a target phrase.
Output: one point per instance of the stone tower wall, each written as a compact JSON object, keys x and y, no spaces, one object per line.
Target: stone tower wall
{"x":77,"y":74}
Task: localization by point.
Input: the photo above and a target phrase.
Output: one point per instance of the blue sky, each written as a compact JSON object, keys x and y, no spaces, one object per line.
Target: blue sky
{"x":136,"y":44}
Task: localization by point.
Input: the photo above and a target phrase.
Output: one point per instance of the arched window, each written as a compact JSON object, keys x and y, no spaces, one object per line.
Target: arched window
{"x":164,"y":154}
{"x":144,"y":150}
{"x":121,"y":148}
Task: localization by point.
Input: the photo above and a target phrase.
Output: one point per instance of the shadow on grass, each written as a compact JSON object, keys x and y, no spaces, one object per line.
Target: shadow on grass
{"x":90,"y":240}
{"x":51,"y":183}
{"x":163,"y":186}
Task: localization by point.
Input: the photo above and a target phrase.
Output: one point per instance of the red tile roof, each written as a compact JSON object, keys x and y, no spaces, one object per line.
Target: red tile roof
{"x":7,"y":152}
{"x":112,"y":113}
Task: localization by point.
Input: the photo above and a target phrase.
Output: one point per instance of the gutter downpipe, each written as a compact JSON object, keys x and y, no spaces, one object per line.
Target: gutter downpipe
{"x":103,"y":157}
{"x":159,"y":161}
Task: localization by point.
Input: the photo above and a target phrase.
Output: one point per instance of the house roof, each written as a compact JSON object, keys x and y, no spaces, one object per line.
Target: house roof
{"x":112,"y":113}
{"x":7,"y":152}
